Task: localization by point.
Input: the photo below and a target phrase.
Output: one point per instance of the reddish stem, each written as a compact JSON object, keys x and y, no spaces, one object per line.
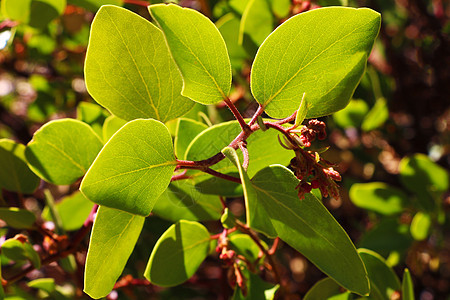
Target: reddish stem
{"x":258,"y":112}
{"x":137,"y":2}
{"x":180,"y":176}
{"x":244,"y":126}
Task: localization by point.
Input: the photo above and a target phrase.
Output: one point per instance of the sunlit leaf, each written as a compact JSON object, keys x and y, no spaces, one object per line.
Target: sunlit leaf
{"x":326,"y":61}
{"x":186,"y":131}
{"x":17,"y":218}
{"x":383,"y":281}
{"x":326,"y":288}
{"x":352,"y":115}
{"x":15,"y":175}
{"x":307,"y":226}
{"x":199,"y":51}
{"x":111,"y":125}
{"x":35,"y":13}
{"x":113,"y":238}
{"x":228,"y":26}
{"x":61,"y":151}
{"x":181,"y":200}
{"x":178,"y":254}
{"x":133,"y":169}
{"x":72,"y":210}
{"x":255,"y":214}
{"x":129,"y":69}
{"x":378,"y":197}
{"x":377,"y":115}
{"x":407,"y":286}
{"x":421,"y":226}
{"x":256,"y":24}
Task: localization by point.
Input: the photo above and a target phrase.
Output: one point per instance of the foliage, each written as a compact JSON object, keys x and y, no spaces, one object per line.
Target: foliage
{"x":186,"y":138}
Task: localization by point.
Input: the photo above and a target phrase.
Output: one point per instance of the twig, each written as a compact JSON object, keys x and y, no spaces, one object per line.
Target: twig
{"x":244,"y":126}
{"x":137,"y":2}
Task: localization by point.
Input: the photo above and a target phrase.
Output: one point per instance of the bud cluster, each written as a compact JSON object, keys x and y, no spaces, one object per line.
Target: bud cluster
{"x":312,"y":170}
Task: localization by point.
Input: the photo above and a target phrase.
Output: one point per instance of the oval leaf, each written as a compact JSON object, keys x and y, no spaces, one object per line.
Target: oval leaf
{"x":307,"y":226}
{"x":186,"y":131}
{"x":15,"y":175}
{"x":199,"y":51}
{"x":426,"y":179}
{"x":133,"y":169}
{"x":17,"y":218}
{"x":129,"y":69}
{"x":178,"y":254}
{"x":113,"y":238}
{"x":383,"y":281}
{"x":35,"y":13}
{"x":322,"y":53}
{"x":378,"y":197}
{"x":61,"y":151}
{"x":326,"y":288}
{"x":181,"y":200}
{"x":72,"y":210}
{"x":421,"y":226}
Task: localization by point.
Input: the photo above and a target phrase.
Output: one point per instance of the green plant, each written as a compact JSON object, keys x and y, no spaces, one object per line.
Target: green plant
{"x":146,"y":75}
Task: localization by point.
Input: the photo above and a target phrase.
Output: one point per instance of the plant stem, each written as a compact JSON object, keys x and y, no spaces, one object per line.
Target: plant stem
{"x":137,"y":2}
{"x":258,"y":112}
{"x":244,"y":126}
{"x":245,"y":229}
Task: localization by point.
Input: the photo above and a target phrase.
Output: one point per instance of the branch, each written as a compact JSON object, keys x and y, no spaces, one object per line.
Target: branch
{"x":244,"y":126}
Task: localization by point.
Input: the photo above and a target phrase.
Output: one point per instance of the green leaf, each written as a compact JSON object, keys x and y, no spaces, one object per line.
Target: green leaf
{"x":181,"y":200}
{"x":307,"y":226}
{"x":227,"y":219}
{"x":35,"y":13}
{"x":263,"y":148}
{"x":377,"y":115}
{"x":238,"y":6}
{"x":386,"y":237}
{"x":111,"y":125}
{"x":15,"y":175}
{"x":421,"y":226}
{"x":20,"y":251}
{"x":407,"y":286}
{"x":129,"y":70}
{"x":257,"y":288}
{"x":228,"y":26}
{"x":424,"y":178}
{"x":280,"y":8}
{"x":255,"y":214}
{"x":61,"y":151}
{"x":133,"y":169}
{"x":326,"y":61}
{"x":45,"y":284}
{"x":93,"y":115}
{"x":17,"y":218}
{"x":72,"y":210}
{"x":113,"y":238}
{"x":244,"y":245}
{"x":326,"y":288}
{"x":352,"y":115}
{"x":218,"y":186}
{"x":178,"y":254}
{"x":186,"y":131}
{"x":301,"y":111}
{"x":256,"y":25}
{"x":94,"y":5}
{"x":378,"y":197}
{"x":199,"y":51}
{"x":383,"y":281}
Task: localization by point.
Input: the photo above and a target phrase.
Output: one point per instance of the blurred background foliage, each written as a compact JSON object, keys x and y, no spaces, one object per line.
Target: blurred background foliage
{"x":391,"y":144}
